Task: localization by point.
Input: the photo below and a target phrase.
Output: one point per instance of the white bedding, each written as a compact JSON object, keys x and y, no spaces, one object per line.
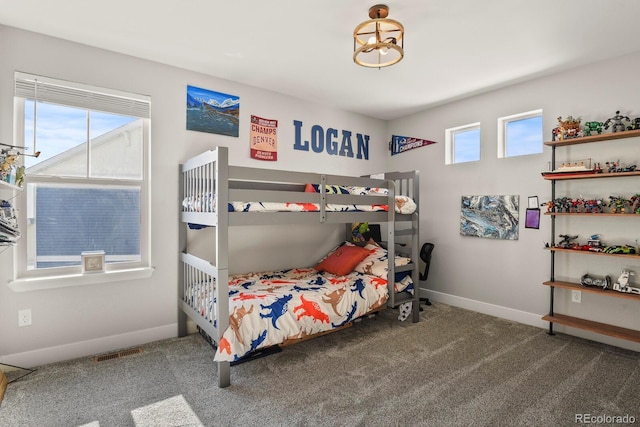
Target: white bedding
{"x":206,"y":203}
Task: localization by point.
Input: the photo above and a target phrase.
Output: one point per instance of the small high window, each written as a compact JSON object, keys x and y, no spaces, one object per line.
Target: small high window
{"x":520,"y":134}
{"x":462,"y":144}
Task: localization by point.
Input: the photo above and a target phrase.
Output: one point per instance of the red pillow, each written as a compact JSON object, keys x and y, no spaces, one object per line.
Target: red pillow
{"x":343,"y":260}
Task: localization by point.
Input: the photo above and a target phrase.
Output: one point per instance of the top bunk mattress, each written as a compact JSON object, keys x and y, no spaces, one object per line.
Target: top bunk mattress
{"x":207,"y":203}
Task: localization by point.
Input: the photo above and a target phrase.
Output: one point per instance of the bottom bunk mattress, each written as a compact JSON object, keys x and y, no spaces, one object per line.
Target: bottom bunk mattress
{"x":269,"y":308}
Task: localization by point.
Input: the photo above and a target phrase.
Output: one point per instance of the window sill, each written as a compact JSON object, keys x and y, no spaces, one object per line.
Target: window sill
{"x":54,"y":282}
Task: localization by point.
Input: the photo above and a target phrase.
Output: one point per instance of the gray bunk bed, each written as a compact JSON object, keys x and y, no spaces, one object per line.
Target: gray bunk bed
{"x":208,"y":181}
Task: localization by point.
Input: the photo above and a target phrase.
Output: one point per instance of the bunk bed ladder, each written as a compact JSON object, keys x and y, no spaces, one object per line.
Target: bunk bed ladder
{"x":401,"y":184}
{"x":414,"y":193}
{"x":182,"y":245}
{"x":222,"y":258}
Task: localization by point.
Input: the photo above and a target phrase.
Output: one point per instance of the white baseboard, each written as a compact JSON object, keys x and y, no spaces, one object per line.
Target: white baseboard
{"x":43,"y":356}
{"x":532,"y":319}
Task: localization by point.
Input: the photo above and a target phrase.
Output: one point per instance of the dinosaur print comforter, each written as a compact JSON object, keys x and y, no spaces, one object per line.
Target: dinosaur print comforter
{"x":268,"y":308}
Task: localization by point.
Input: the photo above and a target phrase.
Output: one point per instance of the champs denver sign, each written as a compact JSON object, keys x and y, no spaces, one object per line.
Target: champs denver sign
{"x":264,"y":138}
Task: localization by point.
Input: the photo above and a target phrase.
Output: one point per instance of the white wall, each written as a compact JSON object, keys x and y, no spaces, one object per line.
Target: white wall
{"x":77,"y":321}
{"x":505,"y":277}
{"x":499,"y":277}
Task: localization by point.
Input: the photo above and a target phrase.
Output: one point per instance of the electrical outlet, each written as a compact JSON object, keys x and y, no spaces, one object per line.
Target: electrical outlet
{"x":576,"y":296}
{"x":24,"y":317}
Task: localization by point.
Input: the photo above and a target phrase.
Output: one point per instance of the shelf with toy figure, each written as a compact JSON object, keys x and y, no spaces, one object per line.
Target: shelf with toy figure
{"x":581,"y":251}
{"x":591,"y":175}
{"x":594,"y":138}
{"x":583,"y":167}
{"x":619,"y":206}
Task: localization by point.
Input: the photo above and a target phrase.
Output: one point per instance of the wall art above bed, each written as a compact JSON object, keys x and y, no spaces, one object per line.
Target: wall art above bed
{"x":493,"y":217}
{"x":212,"y":112}
{"x":264,"y":138}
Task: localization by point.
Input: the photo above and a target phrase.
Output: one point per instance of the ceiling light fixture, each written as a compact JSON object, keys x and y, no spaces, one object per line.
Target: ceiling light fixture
{"x":379,"y":41}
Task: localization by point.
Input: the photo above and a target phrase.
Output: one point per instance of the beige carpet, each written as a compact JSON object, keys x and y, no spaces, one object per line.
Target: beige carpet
{"x":454,"y":368}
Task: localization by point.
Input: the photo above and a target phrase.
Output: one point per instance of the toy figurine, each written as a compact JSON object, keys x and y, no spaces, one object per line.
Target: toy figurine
{"x":634,"y":203}
{"x":562,"y":204}
{"x":593,"y":205}
{"x":622,"y":285}
{"x":567,"y":241}
{"x":577,"y":205}
{"x":597,"y":168}
{"x":594,"y":244}
{"x":617,"y":204}
{"x":9,"y":168}
{"x":359,"y":232}
{"x":569,"y":128}
{"x":616,"y":122}
{"x":604,"y":283}
{"x":20,"y":176}
{"x":7,"y":165}
{"x":620,"y":249}
{"x":635,"y":124}
{"x":612,"y":166}
{"x":593,"y":127}
{"x":551,"y":207}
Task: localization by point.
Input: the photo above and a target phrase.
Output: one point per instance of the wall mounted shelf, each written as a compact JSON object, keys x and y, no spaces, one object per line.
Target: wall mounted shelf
{"x":563,"y":319}
{"x":577,"y":251}
{"x":590,"y":325}
{"x":594,"y":138}
{"x":11,"y":186}
{"x":591,"y":289}
{"x":558,"y":177}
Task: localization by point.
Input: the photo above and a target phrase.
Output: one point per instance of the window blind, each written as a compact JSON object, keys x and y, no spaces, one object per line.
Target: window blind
{"x":45,"y":89}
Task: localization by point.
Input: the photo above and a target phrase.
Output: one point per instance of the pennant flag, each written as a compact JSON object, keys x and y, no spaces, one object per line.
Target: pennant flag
{"x":400,"y":144}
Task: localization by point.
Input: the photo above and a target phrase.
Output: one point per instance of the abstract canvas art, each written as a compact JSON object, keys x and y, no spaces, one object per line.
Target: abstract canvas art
{"x":493,"y":217}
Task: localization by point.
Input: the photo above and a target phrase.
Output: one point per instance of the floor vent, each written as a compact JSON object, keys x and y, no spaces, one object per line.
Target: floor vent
{"x":117,"y":354}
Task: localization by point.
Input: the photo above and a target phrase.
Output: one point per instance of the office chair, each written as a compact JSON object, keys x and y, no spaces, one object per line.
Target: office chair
{"x":425,"y":256}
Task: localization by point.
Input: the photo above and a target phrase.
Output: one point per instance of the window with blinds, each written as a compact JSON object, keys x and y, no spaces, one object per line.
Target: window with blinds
{"x":87,"y":190}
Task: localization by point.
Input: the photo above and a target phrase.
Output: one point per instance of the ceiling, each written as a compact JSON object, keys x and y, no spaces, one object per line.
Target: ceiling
{"x":453,"y":48}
